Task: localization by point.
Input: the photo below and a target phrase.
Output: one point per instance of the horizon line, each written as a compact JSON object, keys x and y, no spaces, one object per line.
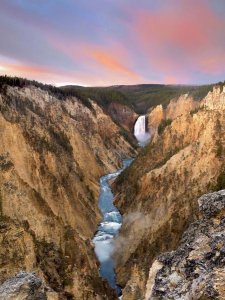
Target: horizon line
{"x":63,"y":84}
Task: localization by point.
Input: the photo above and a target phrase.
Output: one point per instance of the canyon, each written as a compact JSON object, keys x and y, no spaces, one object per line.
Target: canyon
{"x":52,"y":154}
{"x":158,"y":193}
{"x":55,"y":154}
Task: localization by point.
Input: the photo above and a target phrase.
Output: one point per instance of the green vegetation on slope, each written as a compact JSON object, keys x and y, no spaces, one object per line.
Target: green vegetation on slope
{"x":144,"y":96}
{"x":57,"y":92}
{"x":102,"y":95}
{"x":140,"y":97}
{"x":163,"y":125}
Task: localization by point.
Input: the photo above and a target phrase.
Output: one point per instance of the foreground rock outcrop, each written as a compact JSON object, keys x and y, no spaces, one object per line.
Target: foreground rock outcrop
{"x":196,"y":270}
{"x":52,"y":153}
{"x":158,"y":193}
{"x":26,"y":286}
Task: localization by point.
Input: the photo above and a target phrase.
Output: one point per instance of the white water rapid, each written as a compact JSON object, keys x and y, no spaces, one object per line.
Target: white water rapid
{"x":140,"y":131}
{"x":108,"y":229}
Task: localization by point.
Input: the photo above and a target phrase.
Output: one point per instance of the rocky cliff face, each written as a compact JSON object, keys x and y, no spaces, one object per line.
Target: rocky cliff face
{"x":215,"y":100}
{"x":181,"y":106}
{"x":123,"y":115}
{"x":52,"y":153}
{"x":176,"y":107}
{"x":158,"y":193}
{"x":154,"y":118}
{"x":195,"y":270}
{"x":26,"y":286}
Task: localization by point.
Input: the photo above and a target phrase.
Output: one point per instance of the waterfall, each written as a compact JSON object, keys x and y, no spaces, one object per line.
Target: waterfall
{"x":140,"y":131}
{"x":139,"y":127}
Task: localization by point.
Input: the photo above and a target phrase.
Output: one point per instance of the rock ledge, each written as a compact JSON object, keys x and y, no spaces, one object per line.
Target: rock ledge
{"x":196,"y":270}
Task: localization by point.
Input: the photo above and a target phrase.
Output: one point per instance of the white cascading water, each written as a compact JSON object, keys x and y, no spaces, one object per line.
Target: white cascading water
{"x":140,"y":132}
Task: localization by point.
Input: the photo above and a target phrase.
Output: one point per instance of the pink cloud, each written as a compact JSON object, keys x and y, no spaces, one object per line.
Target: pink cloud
{"x":41,"y":73}
{"x":171,"y":43}
{"x":59,"y":76}
{"x":111,"y":60}
{"x":181,"y":36}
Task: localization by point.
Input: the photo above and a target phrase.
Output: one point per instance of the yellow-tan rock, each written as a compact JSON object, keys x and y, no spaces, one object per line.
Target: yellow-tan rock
{"x":52,"y":153}
{"x":158,"y":193}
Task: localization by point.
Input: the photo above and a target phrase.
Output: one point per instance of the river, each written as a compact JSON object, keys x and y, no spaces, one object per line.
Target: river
{"x":108,"y":228}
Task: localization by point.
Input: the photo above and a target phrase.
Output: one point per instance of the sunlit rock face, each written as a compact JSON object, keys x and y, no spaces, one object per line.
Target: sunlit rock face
{"x":140,"y":131}
{"x":52,"y":153}
{"x":176,"y":108}
{"x":181,"y":106}
{"x":158,"y":197}
{"x":215,"y":99}
{"x":155,"y":116}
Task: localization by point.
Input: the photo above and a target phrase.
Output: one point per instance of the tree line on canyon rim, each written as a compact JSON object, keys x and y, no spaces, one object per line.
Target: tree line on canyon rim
{"x":138,"y":97}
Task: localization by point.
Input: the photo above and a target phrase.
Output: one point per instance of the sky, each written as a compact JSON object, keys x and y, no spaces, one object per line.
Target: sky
{"x":110,"y":42}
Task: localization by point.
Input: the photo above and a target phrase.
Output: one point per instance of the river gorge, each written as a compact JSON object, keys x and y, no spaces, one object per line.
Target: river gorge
{"x":68,"y":232}
{"x":108,"y":228}
{"x":112,"y":219}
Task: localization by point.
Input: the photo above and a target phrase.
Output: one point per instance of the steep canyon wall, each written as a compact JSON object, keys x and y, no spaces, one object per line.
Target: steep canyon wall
{"x":52,"y":153}
{"x":158,"y":193}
